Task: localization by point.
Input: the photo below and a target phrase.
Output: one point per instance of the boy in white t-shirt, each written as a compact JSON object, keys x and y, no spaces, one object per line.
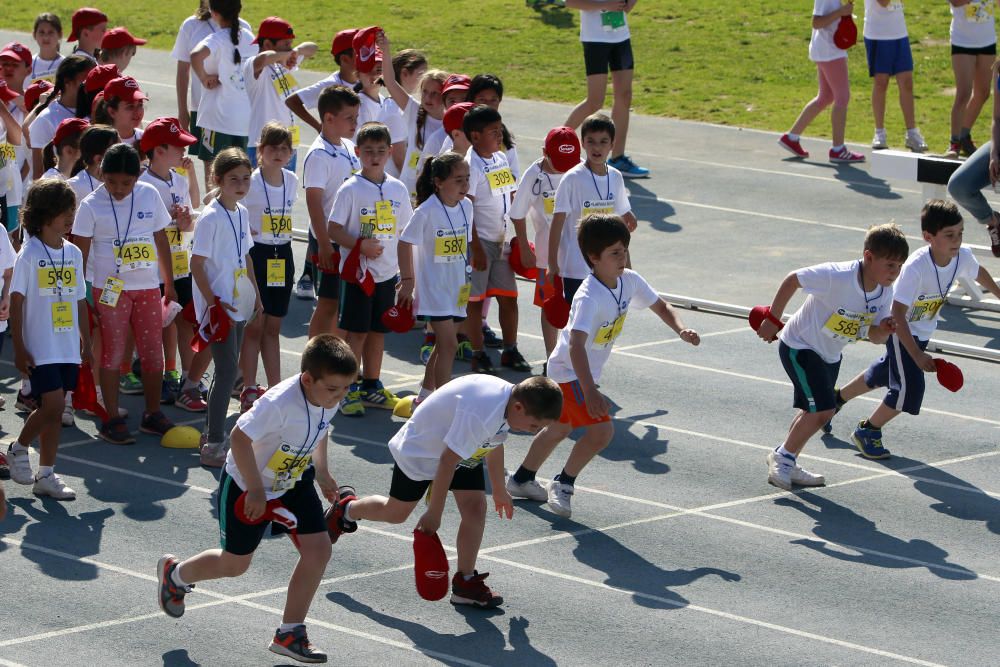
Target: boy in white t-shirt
{"x":887,"y":45}
{"x":846,"y":302}
{"x":369,"y":211}
{"x":89,"y":26}
{"x":278,"y":455}
{"x":442,"y":447}
{"x":584,"y":346}
{"x":920,"y":291}
{"x":301,"y":101}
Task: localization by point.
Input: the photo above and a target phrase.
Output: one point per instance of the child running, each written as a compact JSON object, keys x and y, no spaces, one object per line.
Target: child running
{"x":278,"y":455}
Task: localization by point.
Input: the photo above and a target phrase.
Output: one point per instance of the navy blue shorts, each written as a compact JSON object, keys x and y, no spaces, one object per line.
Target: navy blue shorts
{"x":813,"y":379}
{"x":360,"y":313}
{"x":889,"y":56}
{"x":53,"y":377}
{"x":897,"y":371}
{"x":570,"y":286}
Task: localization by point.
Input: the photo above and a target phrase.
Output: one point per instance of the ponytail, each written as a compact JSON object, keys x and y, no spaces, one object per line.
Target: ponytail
{"x":234,"y":35}
{"x":230,"y":11}
{"x":202,"y":13}
{"x":70,"y":68}
{"x":440,"y":168}
{"x":49,"y":156}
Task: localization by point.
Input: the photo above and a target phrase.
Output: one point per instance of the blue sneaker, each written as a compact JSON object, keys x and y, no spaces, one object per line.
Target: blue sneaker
{"x":490,"y":337}
{"x":629,"y":169}
{"x":869,"y":442}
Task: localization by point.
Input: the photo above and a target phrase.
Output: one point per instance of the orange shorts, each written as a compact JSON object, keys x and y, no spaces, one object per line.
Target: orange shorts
{"x":543,"y":289}
{"x":574,"y":408}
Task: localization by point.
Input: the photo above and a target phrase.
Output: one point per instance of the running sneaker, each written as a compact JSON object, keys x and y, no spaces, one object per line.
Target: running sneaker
{"x":425,"y":353}
{"x":304,"y":288}
{"x":4,"y":468}
{"x":560,"y":498}
{"x":26,"y":402}
{"x":869,"y":442}
{"x":212,"y":454}
{"x":155,"y":423}
{"x":993,"y":231}
{"x":20,"y":465}
{"x":379,"y":397}
{"x":792,"y":146}
{"x":68,"y":420}
{"x":490,"y":338}
{"x":481,"y":363}
{"x":628,"y":168}
{"x":295,"y":645}
{"x":915,"y":141}
{"x":249,"y":396}
{"x":191,"y":400}
{"x":168,"y":394}
{"x":966,"y":146}
{"x":237,"y":387}
{"x":174,"y":379}
{"x":474,"y":591}
{"x":203,"y":387}
{"x":336,"y":524}
{"x":511,"y":358}
{"x":464,"y":351}
{"x":530,"y":490}
{"x":52,"y":486}
{"x":116,"y":432}
{"x":954,"y":148}
{"x":880,"y":141}
{"x":803,"y":477}
{"x":845,"y":156}
{"x":130,"y":384}
{"x":352,"y":406}
{"x":779,"y":470}
{"x":170,"y":596}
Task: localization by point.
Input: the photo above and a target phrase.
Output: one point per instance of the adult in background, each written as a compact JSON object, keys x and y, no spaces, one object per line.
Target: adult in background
{"x":607,"y":46}
{"x":973,"y":49}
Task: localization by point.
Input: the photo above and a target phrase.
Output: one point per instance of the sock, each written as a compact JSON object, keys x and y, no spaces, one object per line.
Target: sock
{"x":565,"y":478}
{"x":368,"y":384}
{"x":954,"y":139}
{"x":462,"y":338}
{"x":837,"y":149}
{"x":288,"y":627}
{"x":25,"y":386}
{"x":911,"y":130}
{"x":170,"y":365}
{"x":189,"y":384}
{"x":175,"y":577}
{"x":43,"y":471}
{"x":510,"y":348}
{"x":347,"y":512}
{"x":424,"y":393}
{"x":784,"y":452}
{"x":18,"y":447}
{"x":793,"y":137}
{"x":468,"y":577}
{"x":965,"y":132}
{"x":524,"y":475}
{"x":867,"y":424}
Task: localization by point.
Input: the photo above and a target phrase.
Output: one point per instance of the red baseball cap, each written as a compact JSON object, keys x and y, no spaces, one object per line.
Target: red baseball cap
{"x":214,"y":329}
{"x":517,"y":264}
{"x":456,"y":82}
{"x":7,"y":93}
{"x":99,"y":76}
{"x":16,"y":51}
{"x":398,"y":319}
{"x":275,"y":29}
{"x":84,"y":18}
{"x":760,"y":313}
{"x":118,"y":38}
{"x":556,"y":308}
{"x":949,"y":375}
{"x":343,"y":41}
{"x":454,"y":116}
{"x":562,"y":147}
{"x":124,"y":88}
{"x":165,"y":131}
{"x":430,"y":566}
{"x":67,"y":128}
{"x":365,"y":49}
{"x":353,"y":273}
{"x":34,"y":91}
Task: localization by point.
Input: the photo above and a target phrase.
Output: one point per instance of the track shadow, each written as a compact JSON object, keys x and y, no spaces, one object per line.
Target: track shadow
{"x":844,"y":527}
{"x":484,"y":644}
{"x":55,"y":528}
{"x":178,"y":658}
{"x":985,"y":323}
{"x":855,"y":178}
{"x":643,"y":451}
{"x":378,"y":427}
{"x":648,"y":208}
{"x":552,"y":14}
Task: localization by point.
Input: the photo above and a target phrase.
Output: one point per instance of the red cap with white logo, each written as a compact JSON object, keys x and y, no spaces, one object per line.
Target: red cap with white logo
{"x":124,"y":88}
{"x":165,"y":131}
{"x":562,"y":147}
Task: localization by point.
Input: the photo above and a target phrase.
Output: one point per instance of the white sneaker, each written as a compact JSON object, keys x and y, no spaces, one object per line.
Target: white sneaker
{"x":779,"y":471}
{"x":915,"y":141}
{"x":67,"y":415}
{"x":879,"y":141}
{"x":803,"y":477}
{"x":213,"y":454}
{"x":20,"y":466}
{"x":53,"y":486}
{"x":559,"y":497}
{"x":530,"y":490}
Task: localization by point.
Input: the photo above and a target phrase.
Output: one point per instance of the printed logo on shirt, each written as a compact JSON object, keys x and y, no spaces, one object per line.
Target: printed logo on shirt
{"x":144,"y":214}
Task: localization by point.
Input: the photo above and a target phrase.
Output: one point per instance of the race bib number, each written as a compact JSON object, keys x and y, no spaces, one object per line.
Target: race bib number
{"x":598,"y":207}
{"x":237,"y":274}
{"x":549,"y":202}
{"x":413,"y":160}
{"x":926,"y":309}
{"x":287,"y":468}
{"x":463,"y":294}
{"x":296,"y":135}
{"x":175,"y":238}
{"x":449,"y":249}
{"x":477,"y":457}
{"x":53,"y":281}
{"x":62,"y":317}
{"x":609,"y":332}
{"x":7,"y":154}
{"x":379,"y":222}
{"x":181,"y":171}
{"x":847,"y":326}
{"x":180,"y":261}
{"x":284,"y":84}
{"x":611,"y":21}
{"x":895,"y":6}
{"x":137,"y":252}
{"x":275,"y":273}
{"x":112,"y":291}
{"x":279,"y":226}
{"x":501,"y":179}
{"x":979,"y":11}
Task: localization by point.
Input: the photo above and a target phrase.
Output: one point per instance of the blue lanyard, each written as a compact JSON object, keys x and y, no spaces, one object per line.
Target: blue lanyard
{"x":236,"y":235}
{"x":861,"y":279}
{"x":465,"y":256}
{"x":621,"y":292}
{"x":62,"y":266}
{"x":270,"y":211}
{"x":279,"y":76}
{"x":118,"y":236}
{"x":943,"y":292}
{"x":319,"y":429}
{"x":338,"y":151}
{"x":377,"y":185}
{"x":503,"y":197}
{"x":594,"y":178}
{"x":91,"y":180}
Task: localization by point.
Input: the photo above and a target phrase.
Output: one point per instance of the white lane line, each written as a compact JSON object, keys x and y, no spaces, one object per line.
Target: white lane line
{"x":717,"y":613}
{"x":9,"y":663}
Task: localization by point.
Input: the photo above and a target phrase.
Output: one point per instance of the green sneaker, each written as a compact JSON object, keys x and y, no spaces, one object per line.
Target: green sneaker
{"x":130,"y":384}
{"x":352,"y":406}
{"x":173,"y":378}
{"x":380,"y":397}
{"x":464,"y":351}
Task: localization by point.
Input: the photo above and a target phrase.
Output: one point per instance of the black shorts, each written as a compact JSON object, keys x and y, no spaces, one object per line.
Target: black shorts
{"x":990,"y":50}
{"x":360,"y":313}
{"x":814,"y":380}
{"x":327,"y":284}
{"x":53,"y":377}
{"x":440,"y":318}
{"x":407,"y":490}
{"x":602,"y":57}
{"x":183,"y":288}
{"x":241,"y":539}
{"x":570,"y":286}
{"x":275,"y":299}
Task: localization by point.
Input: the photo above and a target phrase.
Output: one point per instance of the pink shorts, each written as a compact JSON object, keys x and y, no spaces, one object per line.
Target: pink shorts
{"x":140,"y":310}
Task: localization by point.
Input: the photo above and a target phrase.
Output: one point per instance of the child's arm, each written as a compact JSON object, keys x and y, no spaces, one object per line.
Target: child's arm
{"x":478,"y":254}
{"x":630,"y":221}
{"x":294,"y":102}
{"x":597,"y":405}
{"x":986,"y":280}
{"x":242,"y":448}
{"x":14,"y":135}
{"x":922,"y":359}
{"x":198,"y":57}
{"x":258,"y":304}
{"x":672,"y":319}
{"x":203,"y":283}
{"x":163,"y":257}
{"x":5,"y":295}
{"x":555,"y":236}
{"x":265,"y":58}
{"x":820,"y":22}
{"x":83,"y":243}
{"x":327,"y":484}
{"x":305,"y":50}
{"x":399,"y":96}
{"x":431,"y":519}
{"x":23,"y":360}
{"x":318,"y":222}
{"x":370,"y":248}
{"x":83,"y":317}
{"x":769,"y":330}
{"x":404,"y":253}
{"x":181,"y":82}
{"x":959,"y":3}
{"x":502,"y":501}
{"x":527,"y":254}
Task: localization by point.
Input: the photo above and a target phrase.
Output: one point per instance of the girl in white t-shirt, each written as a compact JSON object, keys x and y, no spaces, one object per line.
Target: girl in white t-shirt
{"x":47,"y":33}
{"x":834,"y":84}
{"x":62,"y":153}
{"x":59,"y":105}
{"x":973,"y":50}
{"x":87,"y":176}
{"x":125,"y":104}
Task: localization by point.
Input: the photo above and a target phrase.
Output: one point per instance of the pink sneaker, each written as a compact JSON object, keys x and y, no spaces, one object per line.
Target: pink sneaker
{"x":845,"y":155}
{"x":793,"y":147}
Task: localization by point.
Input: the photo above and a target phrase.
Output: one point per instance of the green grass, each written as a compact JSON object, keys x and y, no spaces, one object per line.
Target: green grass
{"x":734,"y":62}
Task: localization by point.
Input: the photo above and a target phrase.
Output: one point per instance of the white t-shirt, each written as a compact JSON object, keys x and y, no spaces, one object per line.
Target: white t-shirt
{"x":11,"y":159}
{"x":923,"y":286}
{"x":44,"y":69}
{"x":535,"y":200}
{"x":174,"y":191}
{"x":393,"y":118}
{"x":129,"y":223}
{"x":356,"y":209}
{"x":191,"y":32}
{"x":884,"y":22}
{"x":467,"y":416}
{"x":442,"y":237}
{"x":7,"y":258}
{"x":609,"y":27}
{"x":327,"y":166}
{"x":377,"y":111}
{"x":821,"y":46}
{"x":223,"y":238}
{"x":973,"y":25}
{"x":413,"y":161}
{"x":492,"y":207}
{"x":50,"y":339}
{"x":836,"y":310}
{"x":83,"y":184}
{"x":77,"y":51}
{"x":226,"y":108}
{"x":132,"y":140}
{"x":285,"y":429}
{"x":309,"y":96}
{"x":599,"y":312}
{"x":581,"y":193}
{"x":43,"y":129}
{"x":267,"y":94}
{"x":270,"y":208}
{"x":53,"y":172}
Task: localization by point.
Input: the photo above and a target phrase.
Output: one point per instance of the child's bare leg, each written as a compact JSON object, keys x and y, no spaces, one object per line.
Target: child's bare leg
{"x":880,"y":86}
{"x":445,"y":345}
{"x":314,"y":554}
{"x":805,"y":426}
{"x":594,"y":439}
{"x":472,"y":507}
{"x":380,"y":508}
{"x":904,"y":80}
{"x":213,"y":564}
{"x":544,"y":443}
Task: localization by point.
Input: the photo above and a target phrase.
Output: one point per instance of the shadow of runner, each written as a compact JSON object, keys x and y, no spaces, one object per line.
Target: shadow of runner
{"x":648,"y":208}
{"x":846,"y":528}
{"x":178,"y":658}
{"x":55,"y":528}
